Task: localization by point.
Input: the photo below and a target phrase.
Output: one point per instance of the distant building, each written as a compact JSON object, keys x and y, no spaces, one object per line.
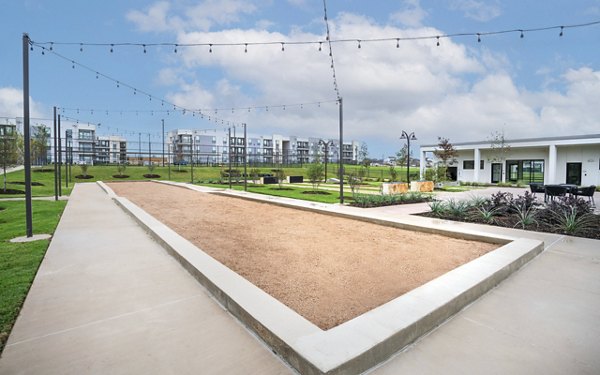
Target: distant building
{"x":83,"y":146}
{"x":212,"y":147}
{"x":549,"y":160}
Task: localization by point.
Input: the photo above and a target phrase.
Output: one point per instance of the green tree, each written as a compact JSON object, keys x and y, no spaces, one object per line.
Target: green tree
{"x":402,"y":155}
{"x":446,"y":151}
{"x":499,"y":150}
{"x":280,"y":175}
{"x":315,"y":173}
{"x":39,"y":144}
{"x":363,"y":154}
{"x":11,"y":152}
{"x":393,"y":173}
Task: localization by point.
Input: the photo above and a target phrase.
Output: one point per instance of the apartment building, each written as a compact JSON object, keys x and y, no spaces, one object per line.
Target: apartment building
{"x":214,"y":147}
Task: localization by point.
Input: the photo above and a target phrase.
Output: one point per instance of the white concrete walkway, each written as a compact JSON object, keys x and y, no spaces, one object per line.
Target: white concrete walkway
{"x":108,"y":299}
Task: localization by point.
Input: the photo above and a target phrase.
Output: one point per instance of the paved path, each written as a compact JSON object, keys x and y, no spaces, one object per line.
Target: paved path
{"x":108,"y":299}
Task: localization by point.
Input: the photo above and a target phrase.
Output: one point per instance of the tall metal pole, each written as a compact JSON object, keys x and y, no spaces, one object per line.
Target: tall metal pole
{"x":408,"y":162}
{"x":163,"y":142}
{"x":229,"y":156}
{"x":26,"y":136}
{"x":60,"y":160}
{"x":192,"y":161}
{"x":341,"y":152}
{"x":245,"y":159}
{"x":140,"y":148}
{"x":56,"y":180}
{"x":149,"y":150}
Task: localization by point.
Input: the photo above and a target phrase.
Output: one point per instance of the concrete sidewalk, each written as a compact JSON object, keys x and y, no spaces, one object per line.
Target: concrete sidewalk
{"x":108,"y":299}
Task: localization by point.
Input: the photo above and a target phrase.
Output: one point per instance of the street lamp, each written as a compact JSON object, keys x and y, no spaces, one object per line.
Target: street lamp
{"x":326,"y":146}
{"x":408,"y":137}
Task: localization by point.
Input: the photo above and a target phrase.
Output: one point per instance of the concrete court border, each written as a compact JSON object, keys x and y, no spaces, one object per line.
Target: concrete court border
{"x":365,"y":341}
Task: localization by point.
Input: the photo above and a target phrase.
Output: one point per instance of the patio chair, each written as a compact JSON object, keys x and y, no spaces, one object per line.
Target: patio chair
{"x":537,"y":187}
{"x":586,"y":192}
{"x":555,"y":191}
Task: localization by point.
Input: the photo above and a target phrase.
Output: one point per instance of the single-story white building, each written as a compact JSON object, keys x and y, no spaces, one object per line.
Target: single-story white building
{"x":551,"y":160}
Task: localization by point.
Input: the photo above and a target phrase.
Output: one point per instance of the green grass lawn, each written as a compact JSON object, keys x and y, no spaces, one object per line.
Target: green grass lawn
{"x":287,"y":191}
{"x":19,"y":262}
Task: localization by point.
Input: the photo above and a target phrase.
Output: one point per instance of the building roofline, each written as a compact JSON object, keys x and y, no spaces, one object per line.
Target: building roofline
{"x":523,"y":140}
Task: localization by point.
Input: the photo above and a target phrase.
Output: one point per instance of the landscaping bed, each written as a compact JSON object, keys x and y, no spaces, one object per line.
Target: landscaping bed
{"x":328,"y":269}
{"x":563,"y":215}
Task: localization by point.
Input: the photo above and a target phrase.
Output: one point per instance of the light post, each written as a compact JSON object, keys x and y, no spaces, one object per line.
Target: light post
{"x":326,"y":146}
{"x":408,"y":137}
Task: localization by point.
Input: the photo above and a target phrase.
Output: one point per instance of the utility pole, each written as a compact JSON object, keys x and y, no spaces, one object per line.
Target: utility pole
{"x":149,"y":150}
{"x":60,"y":160}
{"x":56,"y":180}
{"x":139,"y":148}
{"x":245,"y":159}
{"x":229,"y":157}
{"x":163,"y":142}
{"x":341,"y":152}
{"x":27,"y":136}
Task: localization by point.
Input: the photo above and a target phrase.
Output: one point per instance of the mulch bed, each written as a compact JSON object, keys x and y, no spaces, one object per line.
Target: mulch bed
{"x":150,"y":175}
{"x":82,"y":177}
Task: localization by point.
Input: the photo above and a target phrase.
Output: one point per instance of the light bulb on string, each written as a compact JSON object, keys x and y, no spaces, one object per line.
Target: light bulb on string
{"x":320,"y":46}
{"x":522,"y":34}
{"x":118,"y":84}
{"x":561,"y":31}
{"x":96,"y":75}
{"x":144,"y":47}
{"x":73,"y":62}
{"x":112,"y":48}
{"x":210,"y":48}
{"x":282,"y":47}
{"x":175,"y":49}
{"x":478,"y":38}
{"x":80,"y":47}
{"x":438,"y":40}
{"x":246,"y":48}
{"x":51,"y":46}
{"x":359,"y":43}
{"x":43,"y":51}
{"x":397,"y":42}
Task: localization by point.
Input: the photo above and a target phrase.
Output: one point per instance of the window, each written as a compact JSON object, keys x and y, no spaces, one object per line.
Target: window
{"x":481,"y":164}
{"x":468,"y":164}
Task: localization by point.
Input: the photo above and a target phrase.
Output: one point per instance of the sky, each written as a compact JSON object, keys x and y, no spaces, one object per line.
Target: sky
{"x":541,"y":84}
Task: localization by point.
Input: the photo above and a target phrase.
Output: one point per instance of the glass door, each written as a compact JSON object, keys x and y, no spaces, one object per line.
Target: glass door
{"x":496,"y":173}
{"x":574,"y":173}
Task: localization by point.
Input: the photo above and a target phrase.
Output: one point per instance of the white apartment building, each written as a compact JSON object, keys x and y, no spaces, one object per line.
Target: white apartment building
{"x":214,"y":147}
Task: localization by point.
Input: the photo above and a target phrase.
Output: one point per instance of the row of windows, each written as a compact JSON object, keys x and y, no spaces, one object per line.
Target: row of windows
{"x":470,"y":164}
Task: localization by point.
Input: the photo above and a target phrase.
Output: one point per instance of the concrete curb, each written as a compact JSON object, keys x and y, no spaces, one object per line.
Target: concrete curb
{"x":365,"y":341}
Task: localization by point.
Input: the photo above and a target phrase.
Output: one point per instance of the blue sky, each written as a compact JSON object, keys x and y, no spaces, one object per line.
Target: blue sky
{"x":539,"y":85}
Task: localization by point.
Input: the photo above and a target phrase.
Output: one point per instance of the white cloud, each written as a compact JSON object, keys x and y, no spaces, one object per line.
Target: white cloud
{"x":450,"y":90}
{"x":411,"y":14}
{"x":11,"y":103}
{"x":478,"y":10}
{"x":202,"y":16}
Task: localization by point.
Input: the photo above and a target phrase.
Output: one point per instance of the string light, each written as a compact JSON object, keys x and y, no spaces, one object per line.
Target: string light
{"x":438,"y":41}
{"x":478,"y":38}
{"x":328,"y":38}
{"x":520,"y":31}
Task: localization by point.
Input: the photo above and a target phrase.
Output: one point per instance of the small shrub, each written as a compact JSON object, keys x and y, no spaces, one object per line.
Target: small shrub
{"x":456,"y":208}
{"x":526,"y":216}
{"x":121,"y":169}
{"x":572,"y":222}
{"x":486,"y":213}
{"x":438,"y":208}
{"x":84,"y":169}
{"x":315,"y":174}
{"x":393,"y":173}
